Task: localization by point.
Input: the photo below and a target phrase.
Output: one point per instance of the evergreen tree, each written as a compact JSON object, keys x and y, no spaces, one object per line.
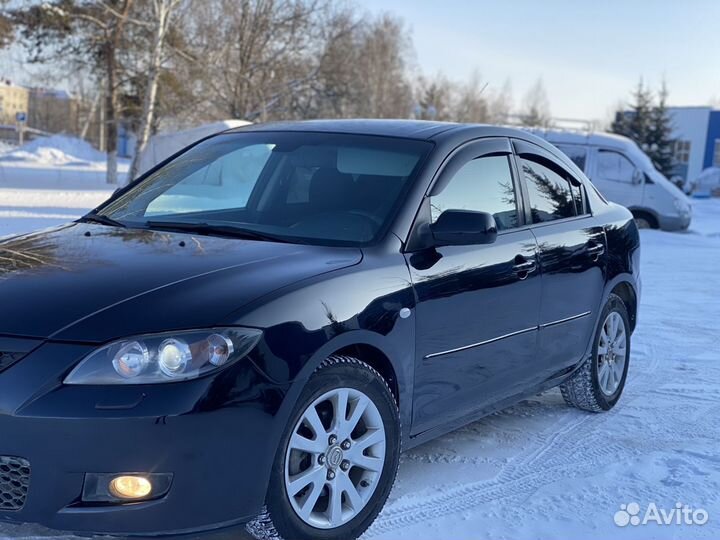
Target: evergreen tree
{"x":649,"y":125}
{"x":660,"y":143}
{"x":636,"y":123}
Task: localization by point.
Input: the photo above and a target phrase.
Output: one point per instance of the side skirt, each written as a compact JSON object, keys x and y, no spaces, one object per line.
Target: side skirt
{"x":439,"y":431}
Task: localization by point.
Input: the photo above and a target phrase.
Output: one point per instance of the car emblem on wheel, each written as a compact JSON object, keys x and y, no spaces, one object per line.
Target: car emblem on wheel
{"x":334,"y":457}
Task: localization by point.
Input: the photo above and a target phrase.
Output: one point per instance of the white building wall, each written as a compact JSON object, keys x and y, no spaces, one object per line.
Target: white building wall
{"x":691,"y":124}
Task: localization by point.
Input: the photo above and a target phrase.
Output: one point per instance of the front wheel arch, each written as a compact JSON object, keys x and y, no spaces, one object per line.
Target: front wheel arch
{"x":651,"y":219}
{"x":377,"y":351}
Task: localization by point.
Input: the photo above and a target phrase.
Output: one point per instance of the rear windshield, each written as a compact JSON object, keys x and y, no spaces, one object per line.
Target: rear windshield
{"x":317,"y":188}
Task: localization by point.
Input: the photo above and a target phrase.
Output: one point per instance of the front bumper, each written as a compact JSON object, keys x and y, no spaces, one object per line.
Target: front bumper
{"x":216,"y":435}
{"x":675,"y":223}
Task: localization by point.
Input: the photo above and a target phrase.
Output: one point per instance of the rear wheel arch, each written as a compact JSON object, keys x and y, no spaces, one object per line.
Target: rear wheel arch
{"x":628,"y":296}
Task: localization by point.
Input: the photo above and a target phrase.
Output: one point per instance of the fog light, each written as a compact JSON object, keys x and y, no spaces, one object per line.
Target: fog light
{"x":125,"y":487}
{"x":130,"y":487}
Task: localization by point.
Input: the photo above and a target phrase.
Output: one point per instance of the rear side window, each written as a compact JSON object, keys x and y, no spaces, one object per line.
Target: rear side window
{"x":578,"y":154}
{"x":551,"y":195}
{"x":484,"y":185}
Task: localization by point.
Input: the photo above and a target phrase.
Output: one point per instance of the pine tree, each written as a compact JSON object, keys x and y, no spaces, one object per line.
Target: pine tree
{"x":636,"y":123}
{"x":649,"y":125}
{"x":660,"y":143}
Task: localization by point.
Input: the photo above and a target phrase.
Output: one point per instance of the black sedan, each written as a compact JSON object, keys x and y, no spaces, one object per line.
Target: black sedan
{"x":249,"y":334}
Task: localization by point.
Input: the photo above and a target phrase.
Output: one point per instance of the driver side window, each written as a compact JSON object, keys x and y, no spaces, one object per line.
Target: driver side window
{"x":484,"y":185}
{"x":614,"y":166}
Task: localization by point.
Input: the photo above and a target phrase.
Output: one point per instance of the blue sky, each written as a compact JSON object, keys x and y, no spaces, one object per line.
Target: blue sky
{"x":590,"y":54}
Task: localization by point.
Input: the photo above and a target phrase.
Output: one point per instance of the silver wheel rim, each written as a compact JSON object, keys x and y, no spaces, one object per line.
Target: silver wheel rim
{"x":612,"y":353}
{"x":335,"y":458}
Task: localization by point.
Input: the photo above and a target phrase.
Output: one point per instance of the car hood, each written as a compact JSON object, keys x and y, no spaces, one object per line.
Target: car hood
{"x":92,"y":283}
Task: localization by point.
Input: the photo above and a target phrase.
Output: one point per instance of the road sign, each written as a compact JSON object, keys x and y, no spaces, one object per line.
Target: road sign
{"x":21,"y":117}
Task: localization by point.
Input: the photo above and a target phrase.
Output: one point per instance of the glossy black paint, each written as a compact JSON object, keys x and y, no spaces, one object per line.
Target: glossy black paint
{"x":519,"y":311}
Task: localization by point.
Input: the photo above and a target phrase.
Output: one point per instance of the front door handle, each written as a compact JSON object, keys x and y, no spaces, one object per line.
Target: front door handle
{"x":523,"y":267}
{"x":596,"y":250}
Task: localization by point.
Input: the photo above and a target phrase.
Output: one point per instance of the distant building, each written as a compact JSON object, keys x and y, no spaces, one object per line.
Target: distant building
{"x":13,"y":99}
{"x":696,"y":131}
{"x":54,"y":111}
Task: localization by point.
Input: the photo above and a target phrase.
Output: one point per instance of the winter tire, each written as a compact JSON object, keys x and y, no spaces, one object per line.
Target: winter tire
{"x":598,"y":384}
{"x":338,"y":457}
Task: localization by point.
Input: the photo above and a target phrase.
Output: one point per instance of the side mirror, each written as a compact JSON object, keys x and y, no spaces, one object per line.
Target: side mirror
{"x":637,"y":177}
{"x":464,"y":228}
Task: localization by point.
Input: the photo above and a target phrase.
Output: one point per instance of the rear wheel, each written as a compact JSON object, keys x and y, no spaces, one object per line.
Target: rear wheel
{"x":598,"y":384}
{"x":338,"y":459}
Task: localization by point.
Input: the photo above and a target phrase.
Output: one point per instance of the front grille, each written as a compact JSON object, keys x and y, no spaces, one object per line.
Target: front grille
{"x":7,"y":359}
{"x":14,"y":482}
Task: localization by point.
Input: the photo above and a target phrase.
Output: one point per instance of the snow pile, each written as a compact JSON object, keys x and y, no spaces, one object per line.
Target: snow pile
{"x":56,"y":162}
{"x":708,"y":183}
{"x":56,"y":150}
{"x":5,"y":148}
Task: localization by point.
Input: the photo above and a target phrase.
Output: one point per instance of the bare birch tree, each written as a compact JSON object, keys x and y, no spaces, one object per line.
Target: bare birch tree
{"x":536,"y":107}
{"x":162,"y":11}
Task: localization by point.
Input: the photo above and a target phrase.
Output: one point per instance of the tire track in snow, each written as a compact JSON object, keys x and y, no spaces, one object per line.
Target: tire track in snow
{"x":580,"y":455}
{"x":578,"y":449}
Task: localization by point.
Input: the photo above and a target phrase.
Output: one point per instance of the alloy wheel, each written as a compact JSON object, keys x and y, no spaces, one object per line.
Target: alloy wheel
{"x":611,"y":353}
{"x":335,"y":458}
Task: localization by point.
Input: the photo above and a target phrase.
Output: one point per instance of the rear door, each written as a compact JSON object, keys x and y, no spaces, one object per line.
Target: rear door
{"x":477,"y":305}
{"x":572,"y":254}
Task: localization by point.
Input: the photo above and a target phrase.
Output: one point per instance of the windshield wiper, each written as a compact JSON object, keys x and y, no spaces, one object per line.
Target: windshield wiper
{"x":209,"y":229}
{"x":102,"y":220}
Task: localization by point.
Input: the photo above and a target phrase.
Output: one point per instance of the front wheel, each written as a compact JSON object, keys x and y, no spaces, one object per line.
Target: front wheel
{"x":643,"y":223}
{"x":338,"y":457}
{"x":598,"y":384}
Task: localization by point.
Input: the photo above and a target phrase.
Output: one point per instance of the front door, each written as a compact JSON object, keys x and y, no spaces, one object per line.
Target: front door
{"x":617,"y":178}
{"x":477,"y":305}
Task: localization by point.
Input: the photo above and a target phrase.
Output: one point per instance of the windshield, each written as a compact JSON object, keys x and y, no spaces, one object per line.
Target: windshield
{"x":317,"y":188}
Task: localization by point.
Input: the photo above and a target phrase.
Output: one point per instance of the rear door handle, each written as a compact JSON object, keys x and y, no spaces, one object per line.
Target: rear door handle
{"x":596,"y":250}
{"x":524,"y":267}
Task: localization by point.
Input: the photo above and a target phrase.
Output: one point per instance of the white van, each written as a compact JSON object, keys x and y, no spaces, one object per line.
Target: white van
{"x":625,"y":174}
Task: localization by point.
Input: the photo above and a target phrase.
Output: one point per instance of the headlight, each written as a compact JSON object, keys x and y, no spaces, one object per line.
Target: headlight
{"x":161,"y":358}
{"x":681,"y":206}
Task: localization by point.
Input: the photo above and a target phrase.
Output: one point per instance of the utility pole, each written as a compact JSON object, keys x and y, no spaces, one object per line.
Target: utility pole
{"x":21,"y":118}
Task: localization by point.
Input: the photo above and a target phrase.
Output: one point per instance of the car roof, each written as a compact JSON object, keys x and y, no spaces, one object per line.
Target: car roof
{"x":408,"y":129}
{"x":582,"y":137}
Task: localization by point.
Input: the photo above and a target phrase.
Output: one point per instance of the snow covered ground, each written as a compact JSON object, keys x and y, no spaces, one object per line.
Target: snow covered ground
{"x":540,"y":470}
{"x":56,"y":162}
